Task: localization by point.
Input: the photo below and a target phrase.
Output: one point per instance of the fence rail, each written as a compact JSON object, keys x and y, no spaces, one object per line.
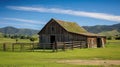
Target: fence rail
{"x":64,"y":45}
{"x":32,"y":46}
{"x":18,"y":46}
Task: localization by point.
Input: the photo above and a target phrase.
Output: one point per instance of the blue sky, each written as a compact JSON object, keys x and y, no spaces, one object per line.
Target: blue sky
{"x":34,"y":14}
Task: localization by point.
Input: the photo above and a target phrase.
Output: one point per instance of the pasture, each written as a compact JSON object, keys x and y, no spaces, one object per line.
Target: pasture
{"x":49,"y":59}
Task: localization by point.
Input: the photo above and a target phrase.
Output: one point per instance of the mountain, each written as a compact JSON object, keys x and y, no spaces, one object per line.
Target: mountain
{"x":110,"y":33}
{"x":13,"y":30}
{"x":99,"y":29}
{"x":102,"y":28}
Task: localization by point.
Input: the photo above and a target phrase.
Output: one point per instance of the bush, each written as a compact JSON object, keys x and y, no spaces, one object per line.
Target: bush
{"x":117,"y":38}
{"x":33,"y":39}
{"x":109,"y":38}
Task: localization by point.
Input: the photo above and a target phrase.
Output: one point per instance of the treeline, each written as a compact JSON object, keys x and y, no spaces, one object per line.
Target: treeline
{"x":116,"y":37}
{"x":17,"y":37}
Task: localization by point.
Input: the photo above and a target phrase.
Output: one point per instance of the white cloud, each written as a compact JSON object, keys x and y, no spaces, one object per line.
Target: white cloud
{"x":69,"y":12}
{"x":24,"y":20}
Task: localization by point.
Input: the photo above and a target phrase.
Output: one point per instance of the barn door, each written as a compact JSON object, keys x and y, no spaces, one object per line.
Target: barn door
{"x":99,"y":42}
{"x":52,"y":39}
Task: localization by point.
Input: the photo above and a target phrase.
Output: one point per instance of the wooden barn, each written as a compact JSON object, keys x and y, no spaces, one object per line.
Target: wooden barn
{"x":63,"y":31}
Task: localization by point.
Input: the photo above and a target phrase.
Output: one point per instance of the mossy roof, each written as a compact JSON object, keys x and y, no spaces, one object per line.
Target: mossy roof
{"x":71,"y":26}
{"x":74,"y":28}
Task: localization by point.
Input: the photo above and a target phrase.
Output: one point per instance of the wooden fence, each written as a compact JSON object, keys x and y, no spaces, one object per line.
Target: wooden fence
{"x":33,"y":46}
{"x":19,"y":46}
{"x":64,"y":45}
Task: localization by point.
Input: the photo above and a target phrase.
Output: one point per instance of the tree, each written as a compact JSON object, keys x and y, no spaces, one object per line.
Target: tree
{"x":117,"y":38}
{"x":12,"y":37}
{"x":32,"y":39}
{"x":16,"y":40}
{"x":5,"y":35}
{"x":109,"y":38}
{"x":22,"y":37}
{"x":28,"y":37}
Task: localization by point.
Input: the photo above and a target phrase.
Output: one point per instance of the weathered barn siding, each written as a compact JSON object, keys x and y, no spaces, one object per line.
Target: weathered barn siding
{"x":103,"y":41}
{"x":60,"y":31}
{"x":92,"y":42}
{"x":78,"y":37}
{"x":61,"y":35}
{"x":53,"y":29}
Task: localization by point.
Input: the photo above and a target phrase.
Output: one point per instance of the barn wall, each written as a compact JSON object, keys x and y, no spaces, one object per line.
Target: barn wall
{"x":53,"y":29}
{"x":78,"y":37}
{"x":103,"y":41}
{"x":92,"y":42}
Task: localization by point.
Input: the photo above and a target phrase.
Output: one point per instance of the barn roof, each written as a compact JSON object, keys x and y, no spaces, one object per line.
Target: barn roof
{"x":73,"y":27}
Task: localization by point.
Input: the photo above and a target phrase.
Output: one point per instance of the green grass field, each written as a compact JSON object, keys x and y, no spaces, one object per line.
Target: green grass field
{"x":48,"y":58}
{"x":9,"y":40}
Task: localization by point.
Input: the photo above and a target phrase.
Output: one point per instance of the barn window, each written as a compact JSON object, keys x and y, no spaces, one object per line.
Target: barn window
{"x":52,"y":28}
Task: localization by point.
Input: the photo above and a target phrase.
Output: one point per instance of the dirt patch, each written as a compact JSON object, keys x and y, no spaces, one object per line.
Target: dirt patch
{"x":91,"y":62}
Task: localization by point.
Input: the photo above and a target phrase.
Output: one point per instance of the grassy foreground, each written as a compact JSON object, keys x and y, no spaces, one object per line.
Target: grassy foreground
{"x":48,"y":58}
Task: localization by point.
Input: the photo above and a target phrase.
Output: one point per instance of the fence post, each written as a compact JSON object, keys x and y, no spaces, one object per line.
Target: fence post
{"x":53,"y":46}
{"x":72,"y":45}
{"x":33,"y":47}
{"x":4,"y":46}
{"x":44,"y":47}
{"x":56,"y":46}
{"x":64,"y":46}
{"x":12,"y":47}
{"x":81,"y":44}
{"x":21,"y":47}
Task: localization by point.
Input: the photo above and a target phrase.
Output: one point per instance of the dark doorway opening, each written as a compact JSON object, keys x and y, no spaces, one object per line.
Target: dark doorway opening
{"x":52,"y":40}
{"x":99,"y":42}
